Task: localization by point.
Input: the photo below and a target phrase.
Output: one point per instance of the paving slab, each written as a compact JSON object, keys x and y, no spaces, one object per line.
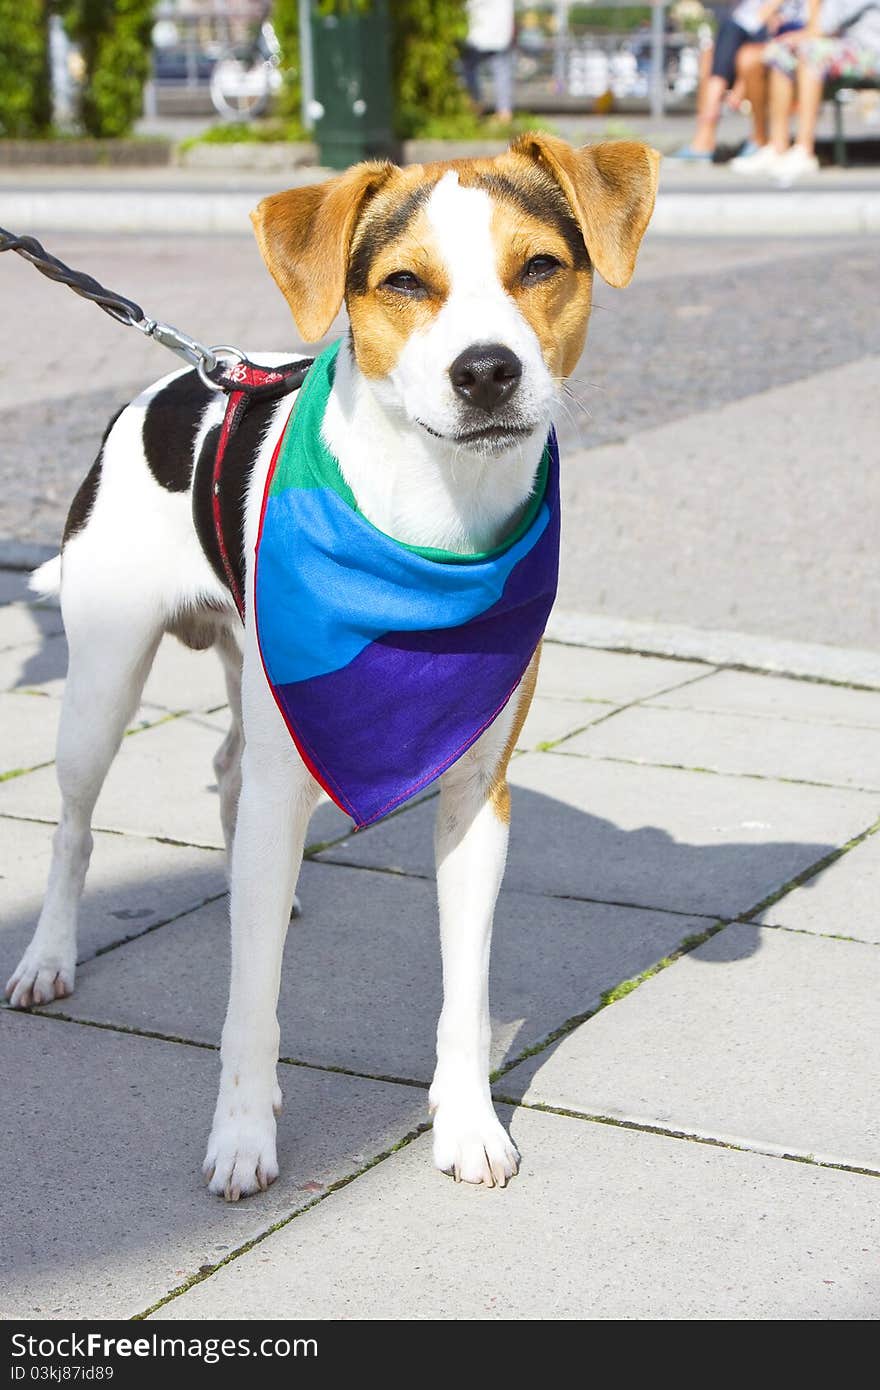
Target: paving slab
{"x":180,"y":679}
{"x":29,"y":724}
{"x":185,"y":680}
{"x":578,"y":673}
{"x":28,"y":622}
{"x":688,"y":841}
{"x":36,"y":665}
{"x":549,"y":720}
{"x":831,"y":753}
{"x":13,"y":586}
{"x":602,"y":1223}
{"x":161,"y":784}
{"x":41,"y":732}
{"x":361,"y":981}
{"x":774,"y":697}
{"x":132,"y":884}
{"x":840,"y":901}
{"x":761,"y":1037}
{"x":107,"y":1212}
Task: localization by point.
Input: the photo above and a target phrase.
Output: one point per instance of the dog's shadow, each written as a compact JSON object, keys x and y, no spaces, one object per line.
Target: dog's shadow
{"x":111,"y":1126}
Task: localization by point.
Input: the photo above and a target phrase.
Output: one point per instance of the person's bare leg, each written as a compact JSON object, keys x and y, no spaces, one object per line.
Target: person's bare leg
{"x":708,"y":115}
{"x":781,"y":96}
{"x":809,"y":94}
{"x":753,"y":75}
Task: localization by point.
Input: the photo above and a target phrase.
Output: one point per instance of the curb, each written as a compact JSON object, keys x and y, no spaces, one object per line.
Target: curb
{"x":134,"y":210}
{"x":762,"y":212}
{"x":814,"y":661}
{"x":746,"y":212}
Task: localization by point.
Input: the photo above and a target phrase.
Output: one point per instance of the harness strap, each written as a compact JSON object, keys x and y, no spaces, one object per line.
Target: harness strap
{"x":246,"y":383}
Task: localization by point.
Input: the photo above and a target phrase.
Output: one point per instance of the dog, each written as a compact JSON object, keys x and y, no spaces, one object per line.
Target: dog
{"x":468,"y":288}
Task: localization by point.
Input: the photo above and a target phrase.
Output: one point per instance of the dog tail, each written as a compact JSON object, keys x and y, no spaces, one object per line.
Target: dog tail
{"x":46,"y":581}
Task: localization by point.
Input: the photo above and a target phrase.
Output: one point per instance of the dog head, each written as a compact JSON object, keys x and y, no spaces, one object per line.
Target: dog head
{"x":468,"y":284}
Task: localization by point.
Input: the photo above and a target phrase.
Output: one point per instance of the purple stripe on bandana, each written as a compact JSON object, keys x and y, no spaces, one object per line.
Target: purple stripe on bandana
{"x":396,"y":717}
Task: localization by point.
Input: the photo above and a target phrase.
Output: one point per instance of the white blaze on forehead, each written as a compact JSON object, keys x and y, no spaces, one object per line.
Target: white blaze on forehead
{"x":462,"y":221}
{"x":478,"y":309}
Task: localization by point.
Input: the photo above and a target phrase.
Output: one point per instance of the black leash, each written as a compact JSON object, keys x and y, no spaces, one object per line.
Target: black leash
{"x":205,"y":359}
{"x":123,"y":310}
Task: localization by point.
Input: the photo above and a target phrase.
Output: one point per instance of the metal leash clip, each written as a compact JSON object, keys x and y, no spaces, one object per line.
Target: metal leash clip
{"x":205,"y":359}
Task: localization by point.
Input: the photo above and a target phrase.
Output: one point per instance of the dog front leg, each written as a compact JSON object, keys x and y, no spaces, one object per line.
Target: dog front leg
{"x":471,"y":849}
{"x":277,"y":799}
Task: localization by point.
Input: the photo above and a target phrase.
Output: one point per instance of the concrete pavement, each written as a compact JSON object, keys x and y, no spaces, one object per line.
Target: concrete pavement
{"x":685,"y":1030}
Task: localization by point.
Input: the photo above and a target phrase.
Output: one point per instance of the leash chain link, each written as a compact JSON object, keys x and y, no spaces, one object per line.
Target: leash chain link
{"x":123,"y":310}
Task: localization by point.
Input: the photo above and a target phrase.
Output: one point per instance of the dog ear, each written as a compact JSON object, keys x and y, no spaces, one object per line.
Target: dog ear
{"x":304,"y":236}
{"x":611,"y":188}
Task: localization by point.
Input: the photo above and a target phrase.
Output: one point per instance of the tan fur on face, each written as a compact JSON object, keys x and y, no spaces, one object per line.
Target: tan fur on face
{"x":383,"y":320}
{"x":558,"y":309}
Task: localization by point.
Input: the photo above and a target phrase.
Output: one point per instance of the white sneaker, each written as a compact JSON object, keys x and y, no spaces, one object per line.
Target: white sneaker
{"x":794,"y":164}
{"x":763,"y":161}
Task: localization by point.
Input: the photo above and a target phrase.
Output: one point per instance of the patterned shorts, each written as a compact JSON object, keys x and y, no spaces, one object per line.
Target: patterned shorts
{"x":829,"y":58}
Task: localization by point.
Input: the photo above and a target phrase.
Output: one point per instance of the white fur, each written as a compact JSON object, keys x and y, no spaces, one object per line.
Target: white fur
{"x":137,"y":566}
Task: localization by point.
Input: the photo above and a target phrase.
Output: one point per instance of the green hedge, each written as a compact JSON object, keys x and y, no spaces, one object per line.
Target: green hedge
{"x":285,"y":18}
{"x":25,"y":102}
{"x":114,"y":39}
{"x":426,"y":35}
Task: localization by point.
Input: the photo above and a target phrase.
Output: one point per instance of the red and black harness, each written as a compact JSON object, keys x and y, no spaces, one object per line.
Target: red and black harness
{"x":223,"y":469}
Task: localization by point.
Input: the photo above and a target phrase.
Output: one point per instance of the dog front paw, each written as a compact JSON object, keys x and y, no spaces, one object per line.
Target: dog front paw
{"x":241,"y":1156}
{"x":39,"y":978}
{"x":472,"y":1145}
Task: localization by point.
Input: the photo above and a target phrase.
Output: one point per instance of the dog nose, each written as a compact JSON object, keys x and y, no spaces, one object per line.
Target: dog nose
{"x":486,"y":375}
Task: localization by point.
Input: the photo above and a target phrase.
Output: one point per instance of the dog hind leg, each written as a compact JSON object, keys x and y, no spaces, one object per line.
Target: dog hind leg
{"x":111,"y":645}
{"x":227,"y":759}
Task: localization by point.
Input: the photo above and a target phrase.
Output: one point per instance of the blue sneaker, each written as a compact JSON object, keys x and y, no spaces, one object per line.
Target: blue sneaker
{"x":746,"y":150}
{"x":689,"y":156}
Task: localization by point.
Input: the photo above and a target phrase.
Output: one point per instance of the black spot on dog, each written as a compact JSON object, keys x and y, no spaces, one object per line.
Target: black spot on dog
{"x":84,"y":500}
{"x":171,"y":425}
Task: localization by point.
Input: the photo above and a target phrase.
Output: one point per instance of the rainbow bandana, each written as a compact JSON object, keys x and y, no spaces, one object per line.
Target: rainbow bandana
{"x":386,"y":660}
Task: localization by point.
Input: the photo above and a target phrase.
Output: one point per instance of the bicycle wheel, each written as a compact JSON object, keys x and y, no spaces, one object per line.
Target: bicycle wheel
{"x":241,"y":84}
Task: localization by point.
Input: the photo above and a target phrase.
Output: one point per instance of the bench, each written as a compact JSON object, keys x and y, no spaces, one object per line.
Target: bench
{"x":832,"y":92}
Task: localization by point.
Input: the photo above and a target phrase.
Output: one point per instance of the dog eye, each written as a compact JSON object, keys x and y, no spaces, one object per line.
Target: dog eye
{"x":405,"y":283}
{"x":539,"y":268}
